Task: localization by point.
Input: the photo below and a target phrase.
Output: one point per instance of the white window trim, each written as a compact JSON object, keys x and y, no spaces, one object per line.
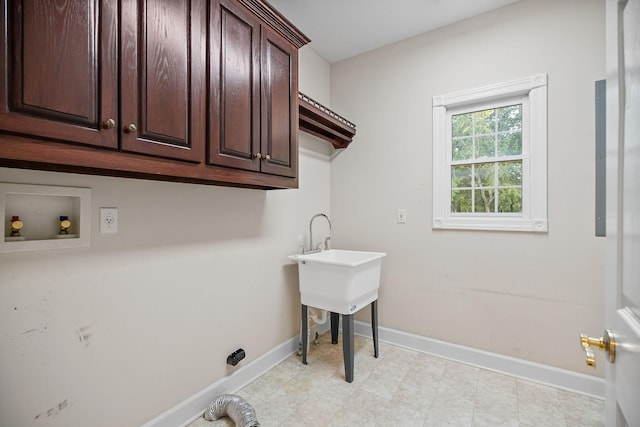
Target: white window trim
{"x":534,"y":203}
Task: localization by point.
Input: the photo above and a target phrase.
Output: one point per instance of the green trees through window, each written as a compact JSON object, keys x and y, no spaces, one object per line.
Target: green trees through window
{"x":486,"y":167}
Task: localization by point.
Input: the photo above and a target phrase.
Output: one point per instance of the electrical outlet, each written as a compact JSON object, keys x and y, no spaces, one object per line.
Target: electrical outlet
{"x":108,"y":220}
{"x":402,"y":216}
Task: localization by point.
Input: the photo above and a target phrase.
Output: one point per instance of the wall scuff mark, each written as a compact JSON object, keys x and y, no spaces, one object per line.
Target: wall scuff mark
{"x":84,"y":334}
{"x":52,"y":412}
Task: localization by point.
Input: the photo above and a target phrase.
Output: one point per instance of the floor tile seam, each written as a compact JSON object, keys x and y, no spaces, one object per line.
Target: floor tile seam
{"x":455,"y":385}
{"x":386,"y":377}
{"x":433,"y":399}
{"x":475,"y":397}
{"x":521,"y":398}
{"x":438,"y":376}
{"x":407,"y":408}
{"x":564,"y":415}
{"x":423,"y":409}
{"x":433,"y":395}
{"x":336,"y":417}
{"x":307,"y":416}
{"x":517,"y":403}
{"x":418,"y":408}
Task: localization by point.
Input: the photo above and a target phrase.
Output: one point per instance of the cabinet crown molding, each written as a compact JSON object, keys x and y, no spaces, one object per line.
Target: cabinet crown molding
{"x":275,"y":20}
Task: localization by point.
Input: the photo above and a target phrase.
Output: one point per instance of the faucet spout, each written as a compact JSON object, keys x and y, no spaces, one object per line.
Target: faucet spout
{"x":311,"y":229}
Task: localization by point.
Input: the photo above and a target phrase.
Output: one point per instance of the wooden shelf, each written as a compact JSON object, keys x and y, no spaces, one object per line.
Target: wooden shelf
{"x":320,"y":121}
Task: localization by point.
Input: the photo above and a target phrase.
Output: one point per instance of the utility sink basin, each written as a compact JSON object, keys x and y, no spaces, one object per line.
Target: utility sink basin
{"x":340,"y":281}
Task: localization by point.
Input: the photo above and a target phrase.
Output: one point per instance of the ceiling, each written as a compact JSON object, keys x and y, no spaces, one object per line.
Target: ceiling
{"x":340,"y":29}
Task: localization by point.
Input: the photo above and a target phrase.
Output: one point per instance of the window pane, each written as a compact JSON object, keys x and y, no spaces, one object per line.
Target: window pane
{"x":485,"y":121}
{"x":461,"y":176}
{"x":461,"y":149}
{"x":461,"y":125}
{"x":484,"y":174}
{"x":510,"y":173}
{"x":484,"y":200}
{"x":510,"y":200}
{"x":461,"y":201}
{"x":510,"y":144}
{"x":485,"y":146}
{"x":509,"y":118}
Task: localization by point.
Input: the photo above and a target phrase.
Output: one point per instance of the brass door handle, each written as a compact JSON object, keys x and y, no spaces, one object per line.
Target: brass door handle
{"x":130,"y":128}
{"x":607,"y":343}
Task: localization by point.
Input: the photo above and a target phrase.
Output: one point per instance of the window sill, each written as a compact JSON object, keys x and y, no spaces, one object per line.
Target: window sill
{"x":491,"y":224}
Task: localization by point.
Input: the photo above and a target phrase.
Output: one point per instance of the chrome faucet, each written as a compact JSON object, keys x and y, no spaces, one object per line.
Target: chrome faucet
{"x":326,"y":241}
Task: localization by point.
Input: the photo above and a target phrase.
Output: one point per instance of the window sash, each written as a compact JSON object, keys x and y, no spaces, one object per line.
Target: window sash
{"x":478,"y":107}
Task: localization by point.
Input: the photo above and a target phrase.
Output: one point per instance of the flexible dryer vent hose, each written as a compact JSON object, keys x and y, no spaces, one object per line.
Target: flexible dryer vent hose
{"x":233,"y":406}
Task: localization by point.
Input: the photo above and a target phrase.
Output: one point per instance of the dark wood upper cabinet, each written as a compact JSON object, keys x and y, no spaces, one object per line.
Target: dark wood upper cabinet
{"x":234,"y":86}
{"x":253,"y":93}
{"x":59,"y":63}
{"x":163,"y":93}
{"x":198,"y":91}
{"x":279,"y":144}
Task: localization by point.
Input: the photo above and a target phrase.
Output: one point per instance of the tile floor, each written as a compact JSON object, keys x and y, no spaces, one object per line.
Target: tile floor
{"x":404,"y":388}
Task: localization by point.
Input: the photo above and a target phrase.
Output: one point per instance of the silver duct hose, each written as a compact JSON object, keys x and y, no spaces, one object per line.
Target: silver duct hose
{"x":233,"y":406}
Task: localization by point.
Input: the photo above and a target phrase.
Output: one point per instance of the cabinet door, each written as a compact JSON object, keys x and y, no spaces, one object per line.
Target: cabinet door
{"x":279,"y":141}
{"x":234,"y":86}
{"x":162,"y":78}
{"x":60,"y":66}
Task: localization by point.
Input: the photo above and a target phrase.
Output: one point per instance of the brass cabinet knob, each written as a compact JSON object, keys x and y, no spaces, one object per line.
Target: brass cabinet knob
{"x":257,"y":156}
{"x":130,"y":128}
{"x":607,"y":343}
{"x":267,"y":157}
{"x":109,"y":124}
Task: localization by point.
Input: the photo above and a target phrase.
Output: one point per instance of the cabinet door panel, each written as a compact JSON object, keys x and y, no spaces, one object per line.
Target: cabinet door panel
{"x":162,"y":78}
{"x":234,"y":117}
{"x":279,"y":105}
{"x":60,"y":59}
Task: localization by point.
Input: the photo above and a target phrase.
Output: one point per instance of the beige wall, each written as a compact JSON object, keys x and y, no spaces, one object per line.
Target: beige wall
{"x":194,"y":273}
{"x":162,"y":305}
{"x":518,"y":294}
{"x":315,"y":76}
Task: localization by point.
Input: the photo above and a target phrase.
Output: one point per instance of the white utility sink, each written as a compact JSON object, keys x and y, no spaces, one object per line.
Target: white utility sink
{"x":337,"y":280}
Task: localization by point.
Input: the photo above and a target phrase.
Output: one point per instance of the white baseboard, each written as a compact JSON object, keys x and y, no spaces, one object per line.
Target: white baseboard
{"x":561,"y":378}
{"x":191,"y":408}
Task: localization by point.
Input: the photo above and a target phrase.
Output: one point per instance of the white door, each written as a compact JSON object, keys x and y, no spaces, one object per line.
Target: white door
{"x":623,"y":211}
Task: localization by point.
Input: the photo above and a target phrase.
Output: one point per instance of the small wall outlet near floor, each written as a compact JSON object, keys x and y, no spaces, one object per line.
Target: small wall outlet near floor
{"x":108,"y":220}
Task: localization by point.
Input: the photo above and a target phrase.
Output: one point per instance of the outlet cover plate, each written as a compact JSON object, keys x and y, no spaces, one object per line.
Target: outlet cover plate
{"x":402,"y":216}
{"x":108,"y":220}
